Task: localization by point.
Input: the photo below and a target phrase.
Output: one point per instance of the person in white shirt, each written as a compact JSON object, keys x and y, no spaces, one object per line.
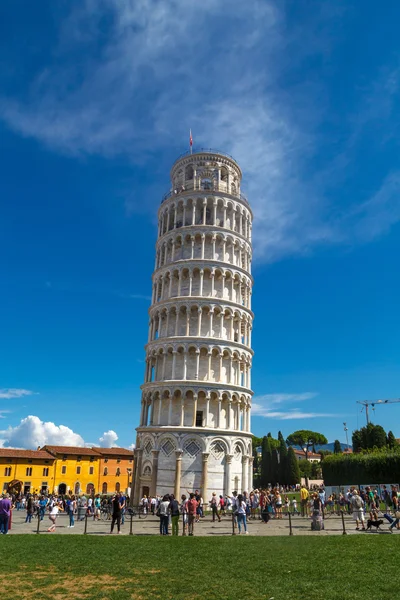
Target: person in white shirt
{"x":54,"y":510}
{"x":241,"y":514}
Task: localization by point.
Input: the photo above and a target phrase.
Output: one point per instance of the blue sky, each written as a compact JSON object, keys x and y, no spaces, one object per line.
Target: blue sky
{"x":96,"y":101}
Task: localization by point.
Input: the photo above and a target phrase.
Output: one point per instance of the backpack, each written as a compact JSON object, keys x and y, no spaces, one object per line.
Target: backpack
{"x":358,"y":502}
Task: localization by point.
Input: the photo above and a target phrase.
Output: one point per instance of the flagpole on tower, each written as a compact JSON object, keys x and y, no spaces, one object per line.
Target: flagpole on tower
{"x":190,"y":141}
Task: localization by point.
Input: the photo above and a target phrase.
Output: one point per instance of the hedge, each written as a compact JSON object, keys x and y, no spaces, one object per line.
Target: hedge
{"x":338,"y":469}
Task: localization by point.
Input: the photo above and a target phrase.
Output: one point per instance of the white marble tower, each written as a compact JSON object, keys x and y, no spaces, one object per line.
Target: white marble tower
{"x":194,"y":428}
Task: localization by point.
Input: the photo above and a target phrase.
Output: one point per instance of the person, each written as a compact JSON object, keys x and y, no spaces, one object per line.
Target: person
{"x":42,"y":507}
{"x":145,"y":503}
{"x":241,"y":514}
{"x":29,"y":509}
{"x":54,"y":510}
{"x":214,"y":507}
{"x":278,"y":504}
{"x":358,"y":510}
{"x":122,"y":501}
{"x":221,"y":505}
{"x":97,"y":507}
{"x":192,"y":509}
{"x":71,"y":511}
{"x":116,"y":512}
{"x":304,"y":496}
{"x":184,"y":512}
{"x":5,"y":513}
{"x":174,"y":510}
{"x":294,"y":506}
{"x":163,"y":511}
{"x":322,"y":497}
{"x":286,"y":504}
{"x":153,"y":503}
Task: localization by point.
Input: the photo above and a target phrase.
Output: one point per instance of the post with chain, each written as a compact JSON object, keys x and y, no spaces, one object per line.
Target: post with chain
{"x":183,"y":524}
{"x":290,"y":524}
{"x":38,"y":523}
{"x":131,"y":524}
{"x":233,"y":524}
{"x":343,"y":523}
{"x":85,"y":531}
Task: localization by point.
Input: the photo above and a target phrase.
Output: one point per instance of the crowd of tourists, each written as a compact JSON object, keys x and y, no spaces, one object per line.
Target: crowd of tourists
{"x":75,"y":507}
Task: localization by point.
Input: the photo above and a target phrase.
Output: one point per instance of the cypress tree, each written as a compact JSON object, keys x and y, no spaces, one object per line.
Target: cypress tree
{"x":283,"y":454}
{"x":391,"y":440}
{"x":266,"y":461}
{"x":337,"y":447}
{"x":275,"y":467}
{"x":292,"y":468}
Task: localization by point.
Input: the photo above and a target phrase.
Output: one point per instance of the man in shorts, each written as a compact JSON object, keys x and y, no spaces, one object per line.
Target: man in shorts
{"x":357,"y":504}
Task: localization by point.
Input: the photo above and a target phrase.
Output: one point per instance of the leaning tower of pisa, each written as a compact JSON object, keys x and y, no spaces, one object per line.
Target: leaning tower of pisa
{"x":194,"y":430}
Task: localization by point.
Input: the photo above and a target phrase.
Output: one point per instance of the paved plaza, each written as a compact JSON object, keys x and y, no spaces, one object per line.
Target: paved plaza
{"x":150,"y":526}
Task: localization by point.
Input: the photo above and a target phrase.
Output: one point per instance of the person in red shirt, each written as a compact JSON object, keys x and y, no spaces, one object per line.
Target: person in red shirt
{"x":192,"y":505}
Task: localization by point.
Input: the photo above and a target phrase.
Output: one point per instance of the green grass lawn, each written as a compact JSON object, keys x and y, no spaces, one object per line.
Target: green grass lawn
{"x":237,"y":568}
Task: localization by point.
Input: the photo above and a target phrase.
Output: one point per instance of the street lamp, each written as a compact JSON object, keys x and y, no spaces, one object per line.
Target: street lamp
{"x":346,"y":429}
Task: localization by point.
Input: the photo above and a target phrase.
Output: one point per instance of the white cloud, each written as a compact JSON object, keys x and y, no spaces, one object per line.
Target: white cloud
{"x":162,"y":67}
{"x":263,"y":406}
{"x":108,"y":439}
{"x":32,"y":432}
{"x":132,"y":446}
{"x":10,"y":393}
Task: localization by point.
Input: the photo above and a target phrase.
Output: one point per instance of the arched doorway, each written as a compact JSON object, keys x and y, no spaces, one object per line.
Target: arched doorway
{"x":117,"y":486}
{"x":145,"y":491}
{"x":104,"y":488}
{"x":62,"y":489}
{"x":90,"y":489}
{"x":77,"y":488}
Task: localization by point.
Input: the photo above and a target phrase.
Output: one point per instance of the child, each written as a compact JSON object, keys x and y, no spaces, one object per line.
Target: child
{"x":286,"y":504}
{"x":294,"y":506}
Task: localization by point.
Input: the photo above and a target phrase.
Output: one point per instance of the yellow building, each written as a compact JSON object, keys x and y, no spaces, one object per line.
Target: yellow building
{"x":76,"y":469}
{"x":67,"y":469}
{"x":116,"y":469}
{"x":35,"y":468}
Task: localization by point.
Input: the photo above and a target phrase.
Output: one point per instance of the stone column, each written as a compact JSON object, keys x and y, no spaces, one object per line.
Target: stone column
{"x":138,"y":469}
{"x":245,"y":472}
{"x":153,"y":489}
{"x":170,"y":410}
{"x":250,"y":474}
{"x":159,"y":410}
{"x":182,"y":411}
{"x":194,"y":410}
{"x":230,"y":414}
{"x":178,"y":471}
{"x":207,"y":410}
{"x":196,"y":375}
{"x":203,"y":241}
{"x":201,"y":282}
{"x":199,"y":311}
{"x":218,"y":424}
{"x":173,"y":364}
{"x":204,"y":477}
{"x":228,"y":476}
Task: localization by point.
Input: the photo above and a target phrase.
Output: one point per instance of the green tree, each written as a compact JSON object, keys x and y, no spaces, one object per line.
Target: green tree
{"x":369,"y":437}
{"x":283,"y":453}
{"x":266,"y":461}
{"x":292,"y":468}
{"x":275,"y":467}
{"x":337,"y":447}
{"x":356,"y":440}
{"x":316,"y":470}
{"x":256,"y":441}
{"x":305,"y":468}
{"x":306,"y":439}
{"x":391,"y":440}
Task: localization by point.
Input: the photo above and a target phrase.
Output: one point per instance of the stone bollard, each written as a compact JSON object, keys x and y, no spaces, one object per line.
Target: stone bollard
{"x":131,"y":525}
{"x":38,"y":523}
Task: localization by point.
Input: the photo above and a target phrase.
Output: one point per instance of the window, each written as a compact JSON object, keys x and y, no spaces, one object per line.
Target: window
{"x":131,"y":459}
{"x":199,"y":418}
{"x":118,"y":472}
{"x":78,"y":470}
{"x":91,"y":458}
{"x":64,"y":457}
{"x":7,"y":472}
{"x":30,"y":462}
{"x":9,"y":460}
{"x":79,"y":458}
{"x":63,"y":470}
{"x":29,"y":471}
{"x":91,"y":470}
{"x":46,"y":472}
{"x":105,"y":471}
{"x":106,"y":459}
{"x":118,"y":460}
{"x":117,"y":487}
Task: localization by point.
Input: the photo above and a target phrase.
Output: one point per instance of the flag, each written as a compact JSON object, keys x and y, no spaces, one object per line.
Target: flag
{"x":190,"y":139}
